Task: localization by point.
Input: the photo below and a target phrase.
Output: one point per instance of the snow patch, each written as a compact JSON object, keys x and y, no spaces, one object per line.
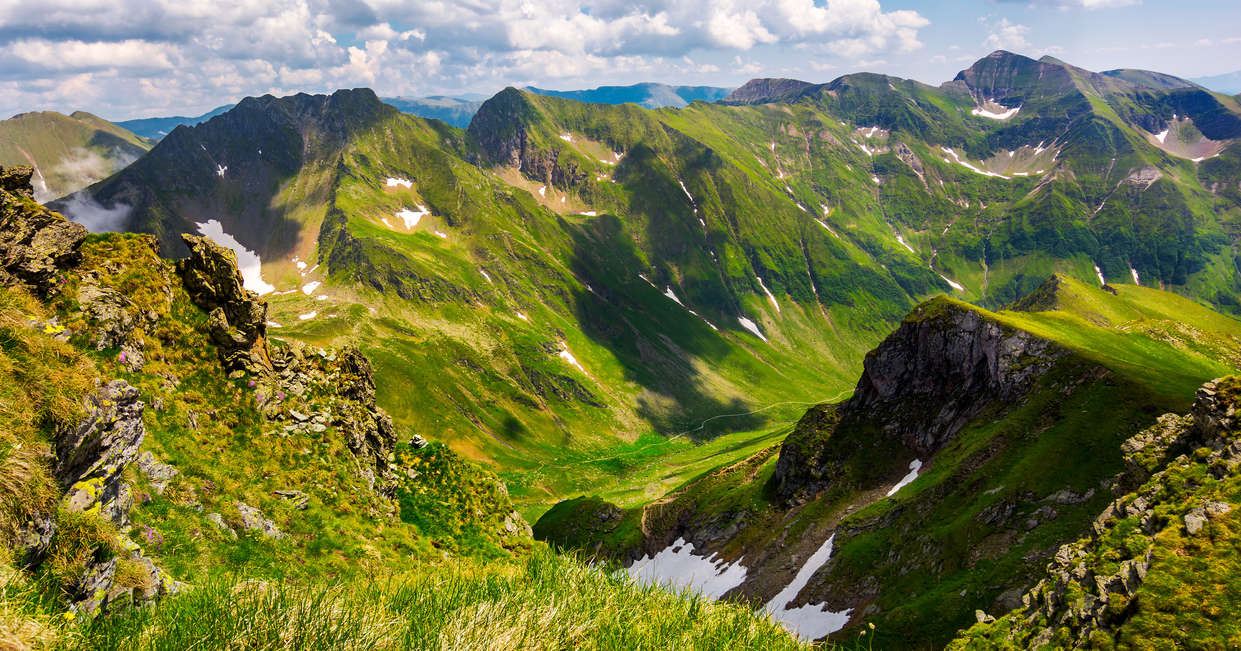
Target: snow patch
{"x":686,"y":191}
{"x":567,"y":137}
{"x":589,"y":213}
{"x":955,"y":285}
{"x":875,"y":179}
{"x":812,"y":621}
{"x":1099,"y":272}
{"x":522,"y":316}
{"x":386,"y":222}
{"x":914,"y":467}
{"x":310,"y":287}
{"x":568,"y":357}
{"x":393,"y":182}
{"x":829,"y":228}
{"x":677,"y":567}
{"x":486,"y":276}
{"x":248,"y":262}
{"x":1161,"y":136}
{"x":900,"y":238}
{"x":307,"y":316}
{"x":1134,"y":272}
{"x":273,"y":324}
{"x":672,"y":295}
{"x":751,"y":326}
{"x":967,"y":165}
{"x":220,"y":170}
{"x":411,"y":217}
{"x":768,"y":292}
{"x":442,"y":235}
{"x":1004,"y":115}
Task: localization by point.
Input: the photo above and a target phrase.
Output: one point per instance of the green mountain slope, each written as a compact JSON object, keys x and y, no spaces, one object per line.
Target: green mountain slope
{"x":68,"y":152}
{"x":174,"y":475}
{"x":1015,"y":419}
{"x":596,"y":278}
{"x":1159,"y":566}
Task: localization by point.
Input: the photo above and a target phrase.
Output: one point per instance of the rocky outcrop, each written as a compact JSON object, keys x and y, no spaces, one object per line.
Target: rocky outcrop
{"x":1091,"y":584}
{"x":943,"y":366}
{"x":36,"y":244}
{"x":347,"y":382}
{"x":237,"y":317}
{"x":89,"y":462}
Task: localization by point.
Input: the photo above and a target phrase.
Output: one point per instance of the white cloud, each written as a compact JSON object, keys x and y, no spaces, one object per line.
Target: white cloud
{"x":152,"y":57}
{"x":1006,"y":35}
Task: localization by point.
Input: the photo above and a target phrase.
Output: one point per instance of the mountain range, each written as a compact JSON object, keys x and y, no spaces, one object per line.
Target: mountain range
{"x":1229,"y":83}
{"x":864,"y":353}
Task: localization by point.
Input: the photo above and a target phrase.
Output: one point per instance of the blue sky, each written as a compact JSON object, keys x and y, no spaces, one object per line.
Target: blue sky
{"x":138,"y":58}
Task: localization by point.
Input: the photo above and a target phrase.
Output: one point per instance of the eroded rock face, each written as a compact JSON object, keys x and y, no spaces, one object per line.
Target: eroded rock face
{"x":36,"y":244}
{"x":943,"y":367}
{"x":940,"y":368}
{"x":237,"y":317}
{"x":499,"y":128}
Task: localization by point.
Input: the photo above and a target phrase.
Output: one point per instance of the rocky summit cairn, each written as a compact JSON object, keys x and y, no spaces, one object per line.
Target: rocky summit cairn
{"x":237,"y":316}
{"x":36,"y":244}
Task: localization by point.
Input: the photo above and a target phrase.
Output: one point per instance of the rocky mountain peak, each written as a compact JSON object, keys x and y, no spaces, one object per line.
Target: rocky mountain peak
{"x":1008,"y":78}
{"x":758,"y":91}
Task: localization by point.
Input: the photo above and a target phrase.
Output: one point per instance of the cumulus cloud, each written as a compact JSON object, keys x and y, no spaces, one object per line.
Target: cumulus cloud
{"x":148,"y":57}
{"x":1006,"y":35}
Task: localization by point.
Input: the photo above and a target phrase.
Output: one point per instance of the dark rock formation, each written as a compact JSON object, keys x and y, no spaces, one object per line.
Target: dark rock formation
{"x":944,"y":366}
{"x":948,"y":363}
{"x":90,"y":459}
{"x":36,"y":244}
{"x":237,"y":316}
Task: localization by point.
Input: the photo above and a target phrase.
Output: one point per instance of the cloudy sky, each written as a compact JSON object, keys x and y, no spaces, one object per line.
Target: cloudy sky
{"x":139,"y":58}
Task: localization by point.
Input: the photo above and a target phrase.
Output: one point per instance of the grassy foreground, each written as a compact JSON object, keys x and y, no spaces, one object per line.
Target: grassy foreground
{"x":546,"y":601}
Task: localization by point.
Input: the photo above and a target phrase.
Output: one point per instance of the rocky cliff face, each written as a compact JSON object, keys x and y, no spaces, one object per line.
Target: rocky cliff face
{"x":499,"y":128}
{"x":940,"y":369}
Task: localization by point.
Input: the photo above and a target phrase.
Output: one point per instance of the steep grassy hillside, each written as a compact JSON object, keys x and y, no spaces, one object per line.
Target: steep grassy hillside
{"x":1159,"y":566}
{"x":171,"y":476}
{"x":1015,"y":420}
{"x":68,"y":152}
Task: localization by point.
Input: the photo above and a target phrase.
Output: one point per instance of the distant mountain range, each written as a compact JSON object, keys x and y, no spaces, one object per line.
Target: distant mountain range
{"x":457,"y":110}
{"x":157,"y":128}
{"x":1226,"y":83}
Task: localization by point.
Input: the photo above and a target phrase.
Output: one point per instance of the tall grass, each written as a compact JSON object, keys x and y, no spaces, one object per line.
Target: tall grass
{"x":548,"y":601}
